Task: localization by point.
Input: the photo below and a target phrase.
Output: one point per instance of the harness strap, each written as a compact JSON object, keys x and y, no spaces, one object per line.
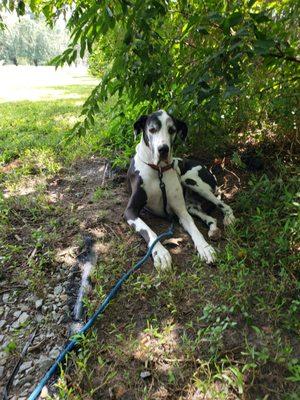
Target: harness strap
{"x":163,"y":192}
{"x":162,"y":185}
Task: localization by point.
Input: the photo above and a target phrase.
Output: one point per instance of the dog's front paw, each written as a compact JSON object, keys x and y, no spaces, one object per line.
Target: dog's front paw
{"x":207,"y":253}
{"x":228,"y":219}
{"x":161,"y":257}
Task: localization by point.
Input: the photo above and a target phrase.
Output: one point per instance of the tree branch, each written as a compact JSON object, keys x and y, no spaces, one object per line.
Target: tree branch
{"x":284,"y":57}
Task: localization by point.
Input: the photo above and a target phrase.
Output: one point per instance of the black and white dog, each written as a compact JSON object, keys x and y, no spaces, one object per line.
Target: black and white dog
{"x":154,"y":154}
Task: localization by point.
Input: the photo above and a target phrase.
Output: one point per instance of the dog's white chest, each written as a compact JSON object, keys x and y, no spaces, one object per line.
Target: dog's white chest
{"x":154,"y":193}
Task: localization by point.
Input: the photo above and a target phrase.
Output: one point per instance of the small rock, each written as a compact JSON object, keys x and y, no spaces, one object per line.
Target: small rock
{"x":55,"y":315}
{"x":57,"y":290}
{"x":38,"y":304}
{"x":44,"y":393}
{"x":17,"y":313}
{"x":63,"y":297}
{"x":16,"y":382}
{"x":145,"y":374}
{"x":39,"y":317}
{"x":25,"y":366}
{"x":43,"y":363}
{"x":1,"y":372}
{"x":23,"y":318}
{"x":2,"y":323}
{"x":27,"y":378}
{"x":5,"y":298}
{"x":54,"y":353}
{"x":32,"y":298}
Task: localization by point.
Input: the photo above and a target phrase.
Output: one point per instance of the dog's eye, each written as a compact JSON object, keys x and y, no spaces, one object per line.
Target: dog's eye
{"x":152,"y":130}
{"x":172,"y":130}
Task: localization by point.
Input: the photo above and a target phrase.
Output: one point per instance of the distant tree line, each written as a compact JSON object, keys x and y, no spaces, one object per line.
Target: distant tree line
{"x":30,"y":41}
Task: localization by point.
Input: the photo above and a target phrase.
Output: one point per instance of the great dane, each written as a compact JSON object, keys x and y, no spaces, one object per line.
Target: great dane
{"x":154,"y":156}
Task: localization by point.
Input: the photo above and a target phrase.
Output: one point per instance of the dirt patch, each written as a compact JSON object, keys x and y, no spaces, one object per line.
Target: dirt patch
{"x":95,"y":201}
{"x":86,"y":200}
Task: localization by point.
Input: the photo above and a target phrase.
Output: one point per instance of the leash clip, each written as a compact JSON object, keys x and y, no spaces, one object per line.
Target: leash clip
{"x":160,"y":176}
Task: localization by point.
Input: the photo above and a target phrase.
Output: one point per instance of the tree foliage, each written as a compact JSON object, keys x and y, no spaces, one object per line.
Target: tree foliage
{"x":30,"y":41}
{"x":220,"y":64}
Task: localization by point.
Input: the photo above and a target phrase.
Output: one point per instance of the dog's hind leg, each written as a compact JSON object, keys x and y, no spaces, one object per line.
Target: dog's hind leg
{"x":200,"y":180}
{"x":213,"y":231}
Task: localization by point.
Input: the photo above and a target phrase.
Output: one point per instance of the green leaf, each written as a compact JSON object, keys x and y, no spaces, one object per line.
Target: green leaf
{"x":231,"y":91}
{"x":260,"y":17}
{"x":251,"y":2}
{"x":202,"y":29}
{"x":234,"y":19}
{"x":263,"y":46}
{"x":21,"y":8}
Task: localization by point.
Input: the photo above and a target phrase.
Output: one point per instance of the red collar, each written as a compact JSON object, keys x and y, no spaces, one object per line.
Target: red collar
{"x":161,"y":169}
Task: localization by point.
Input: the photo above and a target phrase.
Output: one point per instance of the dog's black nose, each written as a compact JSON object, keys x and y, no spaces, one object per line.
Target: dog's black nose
{"x":163,"y":150}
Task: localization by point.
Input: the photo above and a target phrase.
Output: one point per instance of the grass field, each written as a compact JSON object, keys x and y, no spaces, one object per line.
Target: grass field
{"x":224,"y":332}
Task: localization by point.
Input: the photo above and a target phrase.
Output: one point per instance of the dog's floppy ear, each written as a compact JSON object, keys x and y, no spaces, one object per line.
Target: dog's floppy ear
{"x":139,"y":125}
{"x":181,"y":128}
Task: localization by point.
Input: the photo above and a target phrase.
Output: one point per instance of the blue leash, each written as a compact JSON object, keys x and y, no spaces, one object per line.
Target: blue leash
{"x":34,"y":395}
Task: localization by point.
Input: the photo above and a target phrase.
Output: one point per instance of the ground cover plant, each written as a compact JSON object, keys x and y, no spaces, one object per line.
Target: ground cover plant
{"x":230,"y":69}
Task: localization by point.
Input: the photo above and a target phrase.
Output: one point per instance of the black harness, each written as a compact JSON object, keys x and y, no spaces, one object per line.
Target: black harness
{"x":164,"y":193}
{"x":162,"y":186}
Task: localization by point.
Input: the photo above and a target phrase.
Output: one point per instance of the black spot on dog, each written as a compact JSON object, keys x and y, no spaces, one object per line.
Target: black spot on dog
{"x":187,"y":165}
{"x":138,"y":197}
{"x":139,"y":126}
{"x":207,"y":177}
{"x":154,"y":121}
{"x":190,"y":182}
{"x":203,"y":173}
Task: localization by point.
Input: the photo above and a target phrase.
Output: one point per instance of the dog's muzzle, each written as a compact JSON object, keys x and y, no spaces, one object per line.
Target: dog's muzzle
{"x":163,"y":152}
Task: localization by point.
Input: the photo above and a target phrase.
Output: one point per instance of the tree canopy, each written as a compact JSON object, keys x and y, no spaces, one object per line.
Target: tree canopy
{"x":30,"y":41}
{"x":213,"y":62}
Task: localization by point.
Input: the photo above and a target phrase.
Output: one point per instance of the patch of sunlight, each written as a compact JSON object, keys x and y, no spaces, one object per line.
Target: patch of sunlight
{"x":67,"y":120}
{"x":25,"y":186}
{"x":159,"y":345}
{"x":43,"y":82}
{"x":68,"y":255}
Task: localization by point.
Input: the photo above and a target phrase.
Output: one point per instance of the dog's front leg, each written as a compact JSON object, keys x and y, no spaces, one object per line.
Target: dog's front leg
{"x":206,"y":252}
{"x":177,"y":203}
{"x":161,"y":256}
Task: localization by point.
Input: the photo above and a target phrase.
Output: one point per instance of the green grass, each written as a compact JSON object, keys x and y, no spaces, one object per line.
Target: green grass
{"x":44,"y":125}
{"x":229,"y":332}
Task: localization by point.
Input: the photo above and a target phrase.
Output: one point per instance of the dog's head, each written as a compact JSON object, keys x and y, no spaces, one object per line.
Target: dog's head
{"x":159,"y":133}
